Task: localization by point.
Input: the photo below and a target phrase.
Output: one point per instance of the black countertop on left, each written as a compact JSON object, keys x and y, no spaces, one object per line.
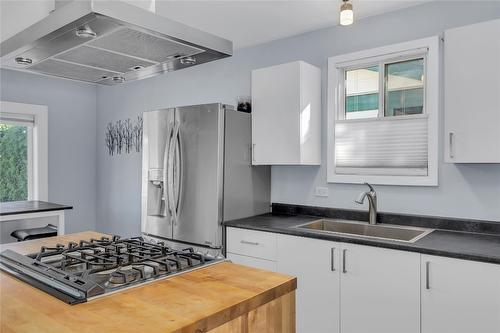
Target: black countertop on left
{"x":30,"y":206}
{"x":454,"y":244}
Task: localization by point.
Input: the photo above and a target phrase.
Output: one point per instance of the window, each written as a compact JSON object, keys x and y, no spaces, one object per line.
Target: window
{"x":383,"y":113}
{"x":404,"y":87}
{"x":15,"y":173}
{"x":362,"y":93}
{"x":23,"y":152}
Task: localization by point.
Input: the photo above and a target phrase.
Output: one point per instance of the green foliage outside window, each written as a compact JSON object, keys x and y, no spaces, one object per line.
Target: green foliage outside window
{"x":13,"y":163}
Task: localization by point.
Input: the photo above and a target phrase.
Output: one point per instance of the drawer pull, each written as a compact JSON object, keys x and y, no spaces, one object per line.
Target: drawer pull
{"x":344,"y":270}
{"x":427,"y":268}
{"x":248,"y":243}
{"x":451,"y":146}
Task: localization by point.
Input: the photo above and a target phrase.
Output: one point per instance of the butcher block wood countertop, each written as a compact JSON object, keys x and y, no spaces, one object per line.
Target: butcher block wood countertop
{"x":197,"y":301}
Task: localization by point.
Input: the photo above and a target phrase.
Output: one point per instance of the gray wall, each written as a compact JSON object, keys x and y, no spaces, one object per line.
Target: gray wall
{"x":72,"y":139}
{"x":471,"y":191}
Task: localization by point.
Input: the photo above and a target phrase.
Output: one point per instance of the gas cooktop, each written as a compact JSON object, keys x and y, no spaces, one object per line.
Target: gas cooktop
{"x":81,"y":271}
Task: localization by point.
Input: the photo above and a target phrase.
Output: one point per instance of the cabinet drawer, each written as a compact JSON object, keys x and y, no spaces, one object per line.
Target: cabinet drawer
{"x":252,"y":262}
{"x":251,"y":243}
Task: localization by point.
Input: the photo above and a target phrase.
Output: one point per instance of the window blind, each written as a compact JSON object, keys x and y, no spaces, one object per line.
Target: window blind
{"x":382,"y":146}
{"x":17,"y":119}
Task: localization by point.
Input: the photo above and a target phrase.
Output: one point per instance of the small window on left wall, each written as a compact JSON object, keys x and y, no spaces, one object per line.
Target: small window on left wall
{"x":23,"y":152}
{"x":16,"y":169}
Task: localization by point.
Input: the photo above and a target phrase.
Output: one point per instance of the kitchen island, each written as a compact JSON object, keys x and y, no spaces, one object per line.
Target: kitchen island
{"x":220,"y":298}
{"x":18,"y":215}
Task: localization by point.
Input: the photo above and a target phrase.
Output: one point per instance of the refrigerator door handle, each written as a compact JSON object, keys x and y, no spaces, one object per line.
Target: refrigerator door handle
{"x":165,"y":193}
{"x":179,"y":172}
{"x":170,"y":172}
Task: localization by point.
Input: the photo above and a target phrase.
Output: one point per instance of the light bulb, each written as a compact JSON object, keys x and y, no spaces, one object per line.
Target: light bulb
{"x":346,"y":13}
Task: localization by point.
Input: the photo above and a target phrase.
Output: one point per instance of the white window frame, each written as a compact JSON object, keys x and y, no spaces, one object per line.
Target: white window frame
{"x":427,"y":48}
{"x":37,"y":146}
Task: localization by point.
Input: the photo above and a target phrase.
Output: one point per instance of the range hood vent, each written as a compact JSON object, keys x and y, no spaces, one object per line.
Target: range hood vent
{"x":109,"y":42}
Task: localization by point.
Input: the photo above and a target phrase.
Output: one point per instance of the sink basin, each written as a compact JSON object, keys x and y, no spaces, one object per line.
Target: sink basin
{"x":363,"y":229}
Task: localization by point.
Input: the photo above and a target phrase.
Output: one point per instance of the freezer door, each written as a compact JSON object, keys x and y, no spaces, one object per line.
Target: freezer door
{"x":197,"y":169}
{"x":156,"y":217}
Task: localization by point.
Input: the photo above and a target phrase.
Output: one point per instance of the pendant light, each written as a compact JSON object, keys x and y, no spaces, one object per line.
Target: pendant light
{"x":346,"y":13}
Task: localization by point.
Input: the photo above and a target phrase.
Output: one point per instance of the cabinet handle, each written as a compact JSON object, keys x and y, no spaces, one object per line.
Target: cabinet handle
{"x":253,"y":152}
{"x":332,"y":260}
{"x":249,"y":243}
{"x":451,"y":146}
{"x":344,"y":270}
{"x":427,"y":268}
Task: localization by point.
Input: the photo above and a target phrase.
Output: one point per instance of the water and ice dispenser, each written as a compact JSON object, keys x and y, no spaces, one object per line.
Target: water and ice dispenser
{"x":158,"y":129}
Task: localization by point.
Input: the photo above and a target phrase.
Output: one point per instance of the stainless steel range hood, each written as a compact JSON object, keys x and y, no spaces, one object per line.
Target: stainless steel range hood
{"x":109,"y":42}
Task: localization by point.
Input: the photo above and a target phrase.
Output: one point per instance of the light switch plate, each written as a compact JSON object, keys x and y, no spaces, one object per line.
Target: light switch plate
{"x":321,"y":191}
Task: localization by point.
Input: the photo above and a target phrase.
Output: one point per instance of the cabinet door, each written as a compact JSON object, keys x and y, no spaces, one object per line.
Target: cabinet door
{"x":472,"y":99}
{"x":252,"y":243}
{"x":268,"y":265}
{"x":315,"y":263}
{"x":275,"y":114}
{"x":380,"y":290}
{"x":460,"y":296}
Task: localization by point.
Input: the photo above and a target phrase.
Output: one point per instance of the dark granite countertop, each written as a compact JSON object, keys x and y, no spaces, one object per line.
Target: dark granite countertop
{"x":454,"y":244}
{"x":30,"y":206}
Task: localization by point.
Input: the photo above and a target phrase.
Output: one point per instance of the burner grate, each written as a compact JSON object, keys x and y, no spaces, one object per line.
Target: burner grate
{"x":121,"y":257}
{"x":97,"y":266}
{"x":90,"y":268}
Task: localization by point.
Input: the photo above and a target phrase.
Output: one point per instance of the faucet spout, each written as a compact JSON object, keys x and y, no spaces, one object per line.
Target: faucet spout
{"x":361,"y":198}
{"x":372,"y":203}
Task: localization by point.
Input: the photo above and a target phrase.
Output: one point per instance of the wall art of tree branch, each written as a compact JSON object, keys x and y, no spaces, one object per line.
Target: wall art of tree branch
{"x":128,"y":135}
{"x":120,"y":136}
{"x":138,"y":134}
{"x":124,"y":136}
{"x":110,"y":138}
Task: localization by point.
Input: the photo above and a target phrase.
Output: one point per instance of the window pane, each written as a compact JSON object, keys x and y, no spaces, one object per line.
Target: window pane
{"x":404,"y":88}
{"x":13,"y":162}
{"x":362,"y":91}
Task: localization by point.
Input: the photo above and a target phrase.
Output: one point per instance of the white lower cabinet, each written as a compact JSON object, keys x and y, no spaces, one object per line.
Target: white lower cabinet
{"x":379,"y":290}
{"x":459,"y":296}
{"x":251,"y":248}
{"x":350,"y":288}
{"x":269,"y":265}
{"x":316,"y":265}
{"x":252,"y":243}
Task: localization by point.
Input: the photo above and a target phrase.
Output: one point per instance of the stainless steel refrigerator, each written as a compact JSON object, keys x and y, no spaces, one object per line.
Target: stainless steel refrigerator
{"x":197,"y":173}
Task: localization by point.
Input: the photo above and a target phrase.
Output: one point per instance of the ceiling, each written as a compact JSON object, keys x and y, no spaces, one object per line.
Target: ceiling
{"x":246,"y":23}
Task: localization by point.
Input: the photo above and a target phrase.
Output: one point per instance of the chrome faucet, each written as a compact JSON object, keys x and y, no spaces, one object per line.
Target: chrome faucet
{"x":372,"y":203}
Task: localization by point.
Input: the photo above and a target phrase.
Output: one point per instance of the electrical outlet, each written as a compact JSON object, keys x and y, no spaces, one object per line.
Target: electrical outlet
{"x":321,"y":191}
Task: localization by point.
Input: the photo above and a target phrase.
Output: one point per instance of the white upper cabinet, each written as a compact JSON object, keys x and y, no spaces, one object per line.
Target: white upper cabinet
{"x":286,"y":115}
{"x":460,"y":296}
{"x":472,"y":93}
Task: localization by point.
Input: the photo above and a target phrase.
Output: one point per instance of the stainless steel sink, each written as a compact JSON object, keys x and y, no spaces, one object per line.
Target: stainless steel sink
{"x":363,"y":229}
